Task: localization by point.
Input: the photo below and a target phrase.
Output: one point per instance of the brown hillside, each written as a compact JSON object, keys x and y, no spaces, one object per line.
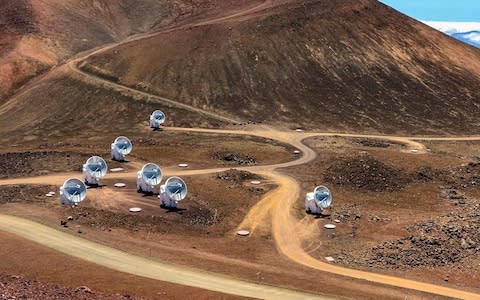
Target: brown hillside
{"x":329,"y":65}
{"x":36,"y":35}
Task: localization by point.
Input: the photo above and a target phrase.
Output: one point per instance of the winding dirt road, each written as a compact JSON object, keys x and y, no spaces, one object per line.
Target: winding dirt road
{"x":275,"y":208}
{"x":277,"y":204}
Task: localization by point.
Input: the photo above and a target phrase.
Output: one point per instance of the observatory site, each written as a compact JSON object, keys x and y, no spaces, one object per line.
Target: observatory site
{"x":234,"y":149}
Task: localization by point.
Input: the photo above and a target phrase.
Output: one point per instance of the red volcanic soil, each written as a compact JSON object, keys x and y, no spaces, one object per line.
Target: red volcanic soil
{"x":52,"y":275}
{"x":37,"y":35}
{"x":329,"y":65}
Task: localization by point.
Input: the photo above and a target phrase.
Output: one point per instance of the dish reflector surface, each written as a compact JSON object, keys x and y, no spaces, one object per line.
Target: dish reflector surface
{"x":123,"y":144}
{"x":158,"y":116}
{"x":176,"y":188}
{"x":152,"y":174}
{"x":322,"y":196}
{"x":74,"y":190}
{"x":96,"y":166}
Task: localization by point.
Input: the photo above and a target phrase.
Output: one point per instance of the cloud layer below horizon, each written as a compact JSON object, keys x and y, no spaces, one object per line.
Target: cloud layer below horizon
{"x":468,"y":32}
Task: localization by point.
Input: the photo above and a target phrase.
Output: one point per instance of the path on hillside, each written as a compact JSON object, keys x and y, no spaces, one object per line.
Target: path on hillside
{"x":73,"y":62}
{"x":277,"y":203}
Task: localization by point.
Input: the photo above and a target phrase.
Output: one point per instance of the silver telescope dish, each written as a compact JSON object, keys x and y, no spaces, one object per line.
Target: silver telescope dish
{"x":94,"y":169}
{"x":157,"y":118}
{"x":150,"y":176}
{"x":323,"y":197}
{"x":318,"y":200}
{"x":172,"y":192}
{"x":72,"y":192}
{"x":121,"y":147}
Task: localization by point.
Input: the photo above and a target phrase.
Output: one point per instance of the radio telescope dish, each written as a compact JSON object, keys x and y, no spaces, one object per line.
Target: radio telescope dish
{"x":121,"y":146}
{"x":72,"y":192}
{"x":323,"y":197}
{"x":157,"y":118}
{"x":94,"y":169}
{"x":172,"y":192}
{"x":318,"y":200}
{"x":150,"y":176}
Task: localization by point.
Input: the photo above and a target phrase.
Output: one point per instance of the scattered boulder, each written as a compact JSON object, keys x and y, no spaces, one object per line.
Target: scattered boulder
{"x":84,"y":289}
{"x":442,"y":241}
{"x":244,"y":160}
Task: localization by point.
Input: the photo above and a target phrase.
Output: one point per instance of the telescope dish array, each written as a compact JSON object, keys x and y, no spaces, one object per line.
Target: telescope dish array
{"x":318,"y":200}
{"x":72,"y":192}
{"x":121,"y":147}
{"x":157,"y":118}
{"x":94,"y":169}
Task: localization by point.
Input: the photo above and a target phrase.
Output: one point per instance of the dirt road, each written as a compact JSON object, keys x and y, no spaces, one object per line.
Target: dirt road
{"x":124,"y":262}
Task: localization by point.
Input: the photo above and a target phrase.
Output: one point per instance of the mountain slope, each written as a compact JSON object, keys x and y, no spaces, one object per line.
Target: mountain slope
{"x":37,"y":35}
{"x":330,"y":65}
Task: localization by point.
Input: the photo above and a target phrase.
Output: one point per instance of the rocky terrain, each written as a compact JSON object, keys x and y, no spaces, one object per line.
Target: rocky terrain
{"x":445,"y":240}
{"x":14,"y":287}
{"x":39,"y":163}
{"x":235,"y":158}
{"x":366,"y":174}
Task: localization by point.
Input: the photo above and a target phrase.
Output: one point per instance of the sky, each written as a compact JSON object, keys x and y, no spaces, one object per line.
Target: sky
{"x":439,"y":10}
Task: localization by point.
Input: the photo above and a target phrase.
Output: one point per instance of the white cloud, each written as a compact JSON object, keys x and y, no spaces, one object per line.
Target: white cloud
{"x":454,"y":27}
{"x":472,"y":36}
{"x":467,"y":32}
